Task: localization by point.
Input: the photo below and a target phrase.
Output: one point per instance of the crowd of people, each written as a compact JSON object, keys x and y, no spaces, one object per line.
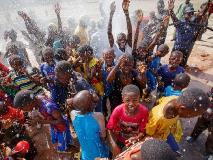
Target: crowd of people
{"x":100,"y":97}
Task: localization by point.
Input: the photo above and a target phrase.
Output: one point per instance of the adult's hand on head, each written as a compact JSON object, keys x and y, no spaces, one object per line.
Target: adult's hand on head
{"x":112,"y":8}
{"x":171,"y":4}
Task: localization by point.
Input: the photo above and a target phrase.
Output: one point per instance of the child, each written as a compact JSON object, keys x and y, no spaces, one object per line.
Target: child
{"x":107,"y":66}
{"x":60,"y":133}
{"x":89,"y":126}
{"x":181,"y":81}
{"x":91,"y":68}
{"x":168,"y":72}
{"x":153,"y":66}
{"x":67,"y":83}
{"x":47,"y":68}
{"x":123,"y":74}
{"x":128,"y":121}
{"x":21,"y":78}
{"x":164,"y":120}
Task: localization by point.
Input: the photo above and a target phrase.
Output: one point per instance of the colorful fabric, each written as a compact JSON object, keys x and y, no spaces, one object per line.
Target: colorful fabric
{"x":167,"y":75}
{"x":160,"y":127}
{"x":125,"y":126}
{"x":60,"y":132}
{"x":23,"y":82}
{"x":48,"y":72}
{"x":169,"y":91}
{"x":88,"y":132}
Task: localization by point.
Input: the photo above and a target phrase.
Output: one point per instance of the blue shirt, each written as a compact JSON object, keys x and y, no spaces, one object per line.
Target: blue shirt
{"x":108,"y":87}
{"x":60,"y":93}
{"x":169,"y":91}
{"x":47,"y":71}
{"x":167,"y":75}
{"x":185,"y":35}
{"x":88,"y":131}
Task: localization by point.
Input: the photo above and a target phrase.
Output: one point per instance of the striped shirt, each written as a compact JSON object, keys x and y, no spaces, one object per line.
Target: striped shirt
{"x":24,"y":83}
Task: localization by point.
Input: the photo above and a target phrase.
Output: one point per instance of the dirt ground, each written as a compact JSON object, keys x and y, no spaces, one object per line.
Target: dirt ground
{"x":201,"y":58}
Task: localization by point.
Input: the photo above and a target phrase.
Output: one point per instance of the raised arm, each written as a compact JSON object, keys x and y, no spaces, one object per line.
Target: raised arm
{"x":171,"y":12}
{"x":110,"y":35}
{"x":57,"y":11}
{"x":164,"y":24}
{"x":203,"y":11}
{"x":125,"y":6}
{"x":139,"y":20}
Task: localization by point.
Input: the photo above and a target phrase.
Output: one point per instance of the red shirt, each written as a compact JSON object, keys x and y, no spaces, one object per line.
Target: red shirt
{"x":125,"y":126}
{"x":211,"y":8}
{"x":13,"y":114}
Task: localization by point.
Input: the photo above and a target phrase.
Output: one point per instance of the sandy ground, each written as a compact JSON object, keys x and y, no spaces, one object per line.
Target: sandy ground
{"x":201,"y":57}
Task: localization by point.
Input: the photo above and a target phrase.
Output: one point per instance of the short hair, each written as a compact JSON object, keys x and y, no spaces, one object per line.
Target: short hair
{"x":64,"y":67}
{"x":177,"y":53}
{"x":16,"y":58}
{"x":163,"y":47}
{"x":121,"y":35}
{"x":22,"y":98}
{"x":131,"y":88}
{"x":155,"y":149}
{"x":59,"y":54}
{"x":129,"y":57}
{"x":182,"y":80}
{"x":85,"y":48}
{"x":47,"y":50}
{"x":194,"y":98}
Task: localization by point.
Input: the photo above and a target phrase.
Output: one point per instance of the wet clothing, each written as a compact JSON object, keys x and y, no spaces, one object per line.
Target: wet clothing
{"x":160,"y":127}
{"x":23,"y":82}
{"x":60,"y":132}
{"x":125,"y":126}
{"x":167,"y":75}
{"x":181,"y":10}
{"x":88,"y":131}
{"x":119,"y":52}
{"x":151,"y":75}
{"x":48,"y":72}
{"x":169,"y":91}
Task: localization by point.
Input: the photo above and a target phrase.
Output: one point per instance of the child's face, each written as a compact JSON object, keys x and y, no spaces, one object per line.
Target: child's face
{"x":109,"y":58}
{"x":127,"y":66}
{"x":175,"y":60}
{"x":85,"y":57}
{"x":29,"y":107}
{"x":48,"y":57}
{"x":122,"y":41}
{"x":63,"y":78}
{"x":131,"y":101}
{"x":16,"y":64}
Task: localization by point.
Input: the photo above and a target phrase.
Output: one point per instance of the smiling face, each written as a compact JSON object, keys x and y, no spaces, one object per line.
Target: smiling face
{"x":175,"y":59}
{"x":121,"y":40}
{"x":127,"y":66}
{"x":109,"y":57}
{"x":64,"y":77}
{"x":131,"y":101}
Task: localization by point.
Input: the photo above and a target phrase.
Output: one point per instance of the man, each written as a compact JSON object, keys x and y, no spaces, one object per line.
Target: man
{"x":181,"y":9}
{"x":186,"y":30}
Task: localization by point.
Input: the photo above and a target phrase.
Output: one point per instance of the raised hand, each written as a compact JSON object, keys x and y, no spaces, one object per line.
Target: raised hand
{"x":22,"y":14}
{"x":140,"y":16}
{"x":112,"y":8}
{"x":125,"y":6}
{"x":165,"y":21}
{"x":57,"y":8}
{"x":171,"y":4}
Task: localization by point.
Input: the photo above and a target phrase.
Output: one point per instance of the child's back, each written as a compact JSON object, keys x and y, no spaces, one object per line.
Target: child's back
{"x":88,"y":131}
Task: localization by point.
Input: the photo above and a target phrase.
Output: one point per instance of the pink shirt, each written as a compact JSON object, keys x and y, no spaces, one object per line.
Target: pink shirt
{"x":125,"y":126}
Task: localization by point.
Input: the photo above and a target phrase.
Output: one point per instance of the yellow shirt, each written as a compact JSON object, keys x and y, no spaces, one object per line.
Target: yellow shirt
{"x":160,"y":127}
{"x":95,"y":82}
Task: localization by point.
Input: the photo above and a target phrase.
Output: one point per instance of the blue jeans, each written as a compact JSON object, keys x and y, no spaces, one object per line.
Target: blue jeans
{"x":172,"y":142}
